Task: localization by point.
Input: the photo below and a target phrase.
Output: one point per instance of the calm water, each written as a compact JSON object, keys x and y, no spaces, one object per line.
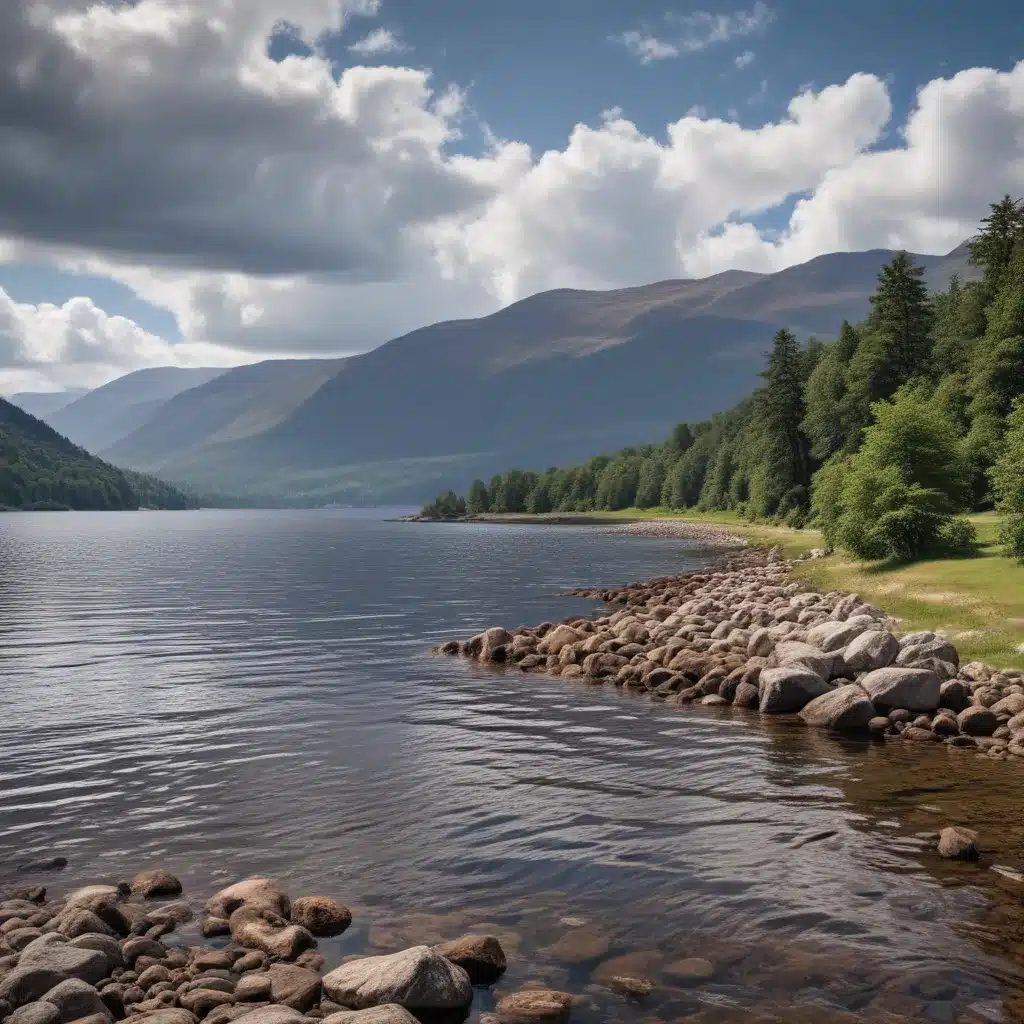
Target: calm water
{"x":227,"y":693}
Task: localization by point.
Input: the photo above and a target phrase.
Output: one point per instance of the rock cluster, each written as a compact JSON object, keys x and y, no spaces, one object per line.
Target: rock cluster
{"x":105,"y":953}
{"x":745,"y":634}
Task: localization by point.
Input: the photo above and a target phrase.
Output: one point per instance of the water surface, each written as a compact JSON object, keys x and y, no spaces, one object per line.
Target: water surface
{"x":227,"y":693}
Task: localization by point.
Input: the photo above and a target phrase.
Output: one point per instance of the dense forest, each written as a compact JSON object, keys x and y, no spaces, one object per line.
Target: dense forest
{"x":40,"y":469}
{"x":882,"y":438}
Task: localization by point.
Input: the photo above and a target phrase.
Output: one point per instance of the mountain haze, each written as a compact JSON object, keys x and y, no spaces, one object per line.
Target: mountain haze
{"x":552,"y":378}
{"x":100,"y":417}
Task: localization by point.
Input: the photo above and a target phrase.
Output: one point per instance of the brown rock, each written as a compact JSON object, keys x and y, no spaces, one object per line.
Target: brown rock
{"x":160,"y":882}
{"x":252,"y":961}
{"x":258,"y":929}
{"x":977,"y":721}
{"x":320,"y":915}
{"x":214,"y":926}
{"x":294,"y":986}
{"x":956,"y":843}
{"x":261,"y":893}
{"x":693,"y":970}
{"x":254,"y":988}
{"x":201,"y":1001}
{"x":637,"y":988}
{"x":535,"y":1005}
{"x":480,"y":956}
{"x":579,"y":945}
{"x":919,"y":735}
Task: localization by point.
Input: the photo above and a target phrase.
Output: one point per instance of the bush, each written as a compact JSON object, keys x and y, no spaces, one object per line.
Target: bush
{"x":796,"y":518}
{"x":957,"y":536}
{"x":1008,"y":483}
{"x":1011,"y":536}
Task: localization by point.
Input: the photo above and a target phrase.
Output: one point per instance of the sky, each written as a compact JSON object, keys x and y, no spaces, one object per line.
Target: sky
{"x":213,"y":182}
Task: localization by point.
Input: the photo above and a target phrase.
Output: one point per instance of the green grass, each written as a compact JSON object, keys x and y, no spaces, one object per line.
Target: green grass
{"x":978,"y":599}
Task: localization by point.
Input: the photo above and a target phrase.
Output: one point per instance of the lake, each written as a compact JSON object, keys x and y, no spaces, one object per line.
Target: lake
{"x":234,"y":692}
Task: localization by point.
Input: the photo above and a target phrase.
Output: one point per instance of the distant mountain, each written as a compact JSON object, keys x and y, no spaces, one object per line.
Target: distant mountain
{"x":551,"y":379}
{"x":99,"y":418}
{"x":242,"y":403}
{"x":39,"y":468}
{"x":44,"y":403}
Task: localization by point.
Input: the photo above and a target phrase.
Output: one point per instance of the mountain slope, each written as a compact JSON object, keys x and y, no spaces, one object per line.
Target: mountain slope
{"x":40,"y":468}
{"x":246,"y":401}
{"x":45,"y":403}
{"x":553,"y":377}
{"x":100,"y":417}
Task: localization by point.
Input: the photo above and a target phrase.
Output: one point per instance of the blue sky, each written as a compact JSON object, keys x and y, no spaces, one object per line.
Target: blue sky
{"x":533,"y":70}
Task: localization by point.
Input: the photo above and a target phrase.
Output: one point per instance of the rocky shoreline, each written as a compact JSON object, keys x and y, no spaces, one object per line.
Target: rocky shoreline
{"x":746,"y":635}
{"x":107,"y":953}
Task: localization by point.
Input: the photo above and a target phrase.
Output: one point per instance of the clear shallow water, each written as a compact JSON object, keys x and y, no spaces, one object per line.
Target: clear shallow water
{"x":228,"y":693}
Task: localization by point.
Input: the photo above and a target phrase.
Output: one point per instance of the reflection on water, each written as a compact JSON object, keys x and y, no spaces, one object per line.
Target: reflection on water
{"x":227,"y":693}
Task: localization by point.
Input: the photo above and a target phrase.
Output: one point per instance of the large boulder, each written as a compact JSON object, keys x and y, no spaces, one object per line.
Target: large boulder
{"x":261,"y":893}
{"x":558,"y":638}
{"x":823,"y":664}
{"x":1012,"y":704}
{"x":919,"y":647}
{"x":789,"y":688}
{"x":418,"y":979}
{"x":88,"y":965}
{"x":977,"y":721}
{"x":267,"y":1015}
{"x":873,"y":649}
{"x":294,"y":986}
{"x":845,"y":709}
{"x":172,"y":1015}
{"x":27,"y":984}
{"x":390,"y":1013}
{"x":75,"y":999}
{"x":833,"y":636}
{"x":35,"y":1013}
{"x":480,"y":956}
{"x":320,"y":915}
{"x":915,"y":689}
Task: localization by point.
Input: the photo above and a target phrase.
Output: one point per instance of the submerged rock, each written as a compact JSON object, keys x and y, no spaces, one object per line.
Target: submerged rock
{"x":956,"y":843}
{"x":480,"y":956}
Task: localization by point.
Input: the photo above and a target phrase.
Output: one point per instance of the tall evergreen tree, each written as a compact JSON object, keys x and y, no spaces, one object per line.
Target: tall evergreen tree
{"x":784,"y":463}
{"x":902,"y":313}
{"x":1002,"y":232}
{"x":827,"y":422}
{"x":477,"y":499}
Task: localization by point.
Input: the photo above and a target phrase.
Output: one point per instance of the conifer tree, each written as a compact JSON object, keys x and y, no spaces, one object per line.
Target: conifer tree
{"x":1002,"y":232}
{"x":784,"y":461}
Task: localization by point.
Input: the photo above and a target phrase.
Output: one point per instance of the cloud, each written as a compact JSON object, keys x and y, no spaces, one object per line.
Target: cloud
{"x":646,"y":47}
{"x":46,"y":346}
{"x":279,"y":207}
{"x":379,"y":41}
{"x":744,"y":59}
{"x":694,"y":32}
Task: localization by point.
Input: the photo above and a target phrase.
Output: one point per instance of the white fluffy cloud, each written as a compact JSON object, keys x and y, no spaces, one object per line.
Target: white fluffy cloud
{"x":73,"y":345}
{"x":377,"y":42}
{"x":276,"y":207}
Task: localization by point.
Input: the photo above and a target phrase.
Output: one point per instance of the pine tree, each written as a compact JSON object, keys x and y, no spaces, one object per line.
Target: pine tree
{"x":902,"y":313}
{"x":827,"y":420}
{"x":784,"y":463}
{"x":1001,"y":234}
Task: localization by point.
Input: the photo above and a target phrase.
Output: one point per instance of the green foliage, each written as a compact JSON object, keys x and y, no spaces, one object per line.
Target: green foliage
{"x":896,"y":498}
{"x":881,"y":437}
{"x":1008,"y":483}
{"x":477,"y":500}
{"x":445,"y":506}
{"x":40,"y":469}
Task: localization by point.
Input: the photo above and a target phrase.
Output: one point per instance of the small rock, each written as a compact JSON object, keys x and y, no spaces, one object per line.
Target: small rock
{"x":320,"y":915}
{"x":214,"y":926}
{"x":637,"y":988}
{"x":201,"y":1001}
{"x":879,"y":726}
{"x":75,"y":999}
{"x":956,"y":843}
{"x":480,"y":956}
{"x":389,"y":1013}
{"x":541,"y":1004}
{"x":261,"y":893}
{"x":294,"y":986}
{"x":252,"y":961}
{"x":253,"y":988}
{"x":150,"y":884}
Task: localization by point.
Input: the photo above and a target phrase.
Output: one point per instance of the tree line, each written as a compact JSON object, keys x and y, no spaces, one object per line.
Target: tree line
{"x":40,"y":469}
{"x":883,"y":437}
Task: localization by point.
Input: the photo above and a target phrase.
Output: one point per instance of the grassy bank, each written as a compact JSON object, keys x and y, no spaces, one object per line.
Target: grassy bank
{"x":979,"y":599}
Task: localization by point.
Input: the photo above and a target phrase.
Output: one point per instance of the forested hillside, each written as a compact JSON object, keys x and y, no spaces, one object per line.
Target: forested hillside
{"x":882,"y":437}
{"x":41,"y":469}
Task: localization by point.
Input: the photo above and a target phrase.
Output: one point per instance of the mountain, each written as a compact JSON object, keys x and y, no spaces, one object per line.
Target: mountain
{"x":98,"y":418}
{"x":44,"y":403}
{"x":39,"y":468}
{"x":552,"y":378}
{"x":245,"y":402}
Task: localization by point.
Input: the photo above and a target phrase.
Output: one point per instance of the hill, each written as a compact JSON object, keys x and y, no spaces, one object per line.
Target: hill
{"x":45,"y":403}
{"x":40,"y":468}
{"x":551,"y":378}
{"x":98,"y":418}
